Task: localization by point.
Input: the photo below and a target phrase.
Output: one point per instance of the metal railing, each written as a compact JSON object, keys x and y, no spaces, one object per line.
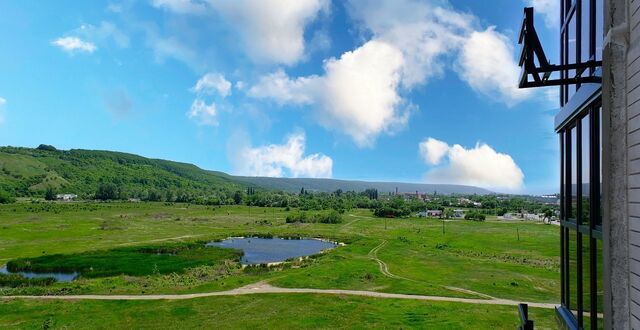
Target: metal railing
{"x":525,"y":323}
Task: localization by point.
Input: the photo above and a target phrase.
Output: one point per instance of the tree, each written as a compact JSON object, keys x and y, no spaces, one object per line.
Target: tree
{"x":237,"y":197}
{"x":107,"y":191}
{"x":448,"y":213}
{"x":47,"y":147}
{"x":50,"y":194}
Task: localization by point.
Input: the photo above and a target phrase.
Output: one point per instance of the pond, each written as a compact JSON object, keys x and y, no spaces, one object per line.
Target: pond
{"x":268,"y":250}
{"x":60,"y":277}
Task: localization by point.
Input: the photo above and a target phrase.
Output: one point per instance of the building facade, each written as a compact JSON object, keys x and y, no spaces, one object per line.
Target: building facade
{"x":599,"y":134}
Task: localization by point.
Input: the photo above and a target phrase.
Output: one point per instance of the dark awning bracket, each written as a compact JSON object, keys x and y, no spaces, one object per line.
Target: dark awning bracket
{"x":532,"y":50}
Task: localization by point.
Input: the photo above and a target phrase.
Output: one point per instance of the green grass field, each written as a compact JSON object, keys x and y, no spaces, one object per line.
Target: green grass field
{"x":512,"y":260}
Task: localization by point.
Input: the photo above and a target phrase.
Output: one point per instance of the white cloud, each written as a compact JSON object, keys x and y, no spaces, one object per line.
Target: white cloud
{"x":432,"y":150}
{"x":357,"y":95}
{"x":486,"y":63}
{"x":279,"y":87}
{"x":288,"y":159}
{"x":425,"y":33}
{"x":480,"y":166}
{"x":360,"y":94}
{"x":73,"y":44}
{"x":86,"y":38}
{"x":550,"y":9}
{"x":2,"y":103}
{"x":271,"y":30}
{"x":208,"y":87}
{"x":428,"y":34}
{"x":213,"y":82}
{"x":203,"y":113}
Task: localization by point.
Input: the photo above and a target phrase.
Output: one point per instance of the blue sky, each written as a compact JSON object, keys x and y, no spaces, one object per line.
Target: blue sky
{"x":419,"y":91}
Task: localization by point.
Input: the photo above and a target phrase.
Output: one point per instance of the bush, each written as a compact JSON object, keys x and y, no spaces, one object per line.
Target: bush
{"x":475,"y":216}
{"x":391,"y":212}
{"x":5,"y":198}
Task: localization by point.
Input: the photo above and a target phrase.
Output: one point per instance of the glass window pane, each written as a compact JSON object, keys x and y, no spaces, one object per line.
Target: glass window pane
{"x":585,"y":37}
{"x":571,"y":52}
{"x":585,"y":144}
{"x":573,"y":271}
{"x":599,"y":148}
{"x":599,"y":28}
{"x":574,"y":170}
{"x":586,"y":283}
{"x":599,"y":288}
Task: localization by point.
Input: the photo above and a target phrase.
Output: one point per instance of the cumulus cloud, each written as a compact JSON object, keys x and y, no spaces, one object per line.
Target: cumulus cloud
{"x":287,"y":159}
{"x":74,"y":44}
{"x":270,"y":30}
{"x":487,"y":65}
{"x":213,"y":82}
{"x":203,"y":113}
{"x":361,"y":93}
{"x":210,"y":86}
{"x":279,"y":87}
{"x":480,"y":166}
{"x":550,"y":10}
{"x":432,"y":150}
{"x":357,"y":94}
{"x":425,"y":33}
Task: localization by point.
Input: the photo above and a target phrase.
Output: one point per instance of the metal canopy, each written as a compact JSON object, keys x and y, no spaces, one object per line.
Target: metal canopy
{"x":541,"y":74}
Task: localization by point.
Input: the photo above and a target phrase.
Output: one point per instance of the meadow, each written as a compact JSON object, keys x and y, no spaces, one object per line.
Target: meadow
{"x":501,"y":259}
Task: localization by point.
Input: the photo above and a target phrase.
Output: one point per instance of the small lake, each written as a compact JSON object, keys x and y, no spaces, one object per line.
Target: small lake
{"x":267,"y":250}
{"x":60,"y":277}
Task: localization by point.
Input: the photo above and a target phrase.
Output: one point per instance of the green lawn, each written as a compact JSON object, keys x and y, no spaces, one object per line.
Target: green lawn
{"x":263,"y":312}
{"x":514,"y":260}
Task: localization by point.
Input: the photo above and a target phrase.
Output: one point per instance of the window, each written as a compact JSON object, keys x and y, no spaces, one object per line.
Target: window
{"x":581,"y":237}
{"x":581,"y":41}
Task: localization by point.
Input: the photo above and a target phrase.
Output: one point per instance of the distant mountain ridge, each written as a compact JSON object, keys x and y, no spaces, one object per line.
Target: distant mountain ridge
{"x":29,"y":172}
{"x":294,"y":185}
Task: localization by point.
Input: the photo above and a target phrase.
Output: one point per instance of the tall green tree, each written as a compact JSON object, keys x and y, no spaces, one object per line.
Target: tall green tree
{"x":50,"y":194}
{"x":107,"y":191}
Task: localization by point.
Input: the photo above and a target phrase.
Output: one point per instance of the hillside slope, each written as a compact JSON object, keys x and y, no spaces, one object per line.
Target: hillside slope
{"x":29,"y":172}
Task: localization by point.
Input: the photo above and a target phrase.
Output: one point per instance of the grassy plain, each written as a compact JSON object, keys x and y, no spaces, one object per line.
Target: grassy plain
{"x":514,"y":260}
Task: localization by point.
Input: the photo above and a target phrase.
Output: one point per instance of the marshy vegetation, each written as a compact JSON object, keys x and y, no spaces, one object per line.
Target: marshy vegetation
{"x":132,"y":261}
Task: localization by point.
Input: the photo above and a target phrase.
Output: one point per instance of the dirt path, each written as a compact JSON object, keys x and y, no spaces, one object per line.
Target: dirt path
{"x":263,"y":288}
{"x":384,"y":269}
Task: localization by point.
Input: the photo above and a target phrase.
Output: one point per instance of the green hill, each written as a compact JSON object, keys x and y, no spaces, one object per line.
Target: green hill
{"x":29,"y":172}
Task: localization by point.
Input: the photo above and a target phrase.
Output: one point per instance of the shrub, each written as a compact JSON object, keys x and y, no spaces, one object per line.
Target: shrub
{"x":5,"y":198}
{"x":475,"y":216}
